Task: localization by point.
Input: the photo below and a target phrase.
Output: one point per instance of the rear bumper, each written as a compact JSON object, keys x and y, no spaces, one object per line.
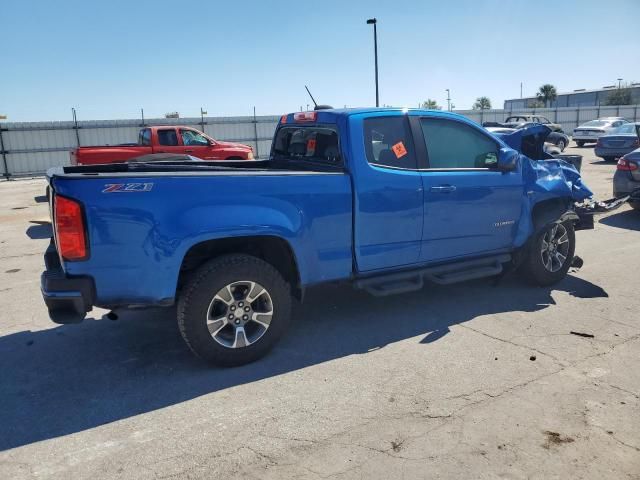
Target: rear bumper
{"x":611,"y":152}
{"x":68,"y":299}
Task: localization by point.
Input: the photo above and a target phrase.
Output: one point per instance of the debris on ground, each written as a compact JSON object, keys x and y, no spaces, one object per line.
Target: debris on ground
{"x":580,"y":334}
{"x":532,"y":358}
{"x":577,"y":262}
{"x":396,"y":445}
{"x":554,"y":438}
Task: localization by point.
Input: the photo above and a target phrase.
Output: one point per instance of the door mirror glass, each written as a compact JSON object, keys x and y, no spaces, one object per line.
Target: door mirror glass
{"x":507,"y":160}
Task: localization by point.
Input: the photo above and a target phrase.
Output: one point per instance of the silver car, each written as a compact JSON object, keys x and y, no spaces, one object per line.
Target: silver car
{"x":590,"y":132}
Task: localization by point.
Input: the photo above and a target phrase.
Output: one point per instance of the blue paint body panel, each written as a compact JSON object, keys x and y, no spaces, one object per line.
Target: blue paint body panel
{"x":338,"y":225}
{"x":138,"y":240}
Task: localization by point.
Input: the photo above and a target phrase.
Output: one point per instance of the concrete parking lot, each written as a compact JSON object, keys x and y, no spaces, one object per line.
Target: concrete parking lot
{"x":478,"y":380}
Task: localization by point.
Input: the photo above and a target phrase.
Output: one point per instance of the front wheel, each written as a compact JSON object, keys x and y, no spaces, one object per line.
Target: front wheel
{"x":550,"y":254}
{"x":234,"y":309}
{"x":580,"y":143}
{"x":561,"y":145}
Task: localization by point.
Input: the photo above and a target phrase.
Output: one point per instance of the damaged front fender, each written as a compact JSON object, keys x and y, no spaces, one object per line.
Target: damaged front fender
{"x":552,"y":187}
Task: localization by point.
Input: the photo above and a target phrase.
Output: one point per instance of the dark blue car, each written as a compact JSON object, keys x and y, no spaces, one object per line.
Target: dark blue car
{"x":384,"y":199}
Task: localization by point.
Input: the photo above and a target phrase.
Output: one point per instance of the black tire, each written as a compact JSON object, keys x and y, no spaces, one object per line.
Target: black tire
{"x":580,"y":143}
{"x":561,"y":144}
{"x":197,"y":298}
{"x":608,"y":159}
{"x":635,"y":206}
{"x":533,"y":268}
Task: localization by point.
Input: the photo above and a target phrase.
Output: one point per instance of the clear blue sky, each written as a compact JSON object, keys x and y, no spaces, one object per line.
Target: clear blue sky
{"x":109,"y":58}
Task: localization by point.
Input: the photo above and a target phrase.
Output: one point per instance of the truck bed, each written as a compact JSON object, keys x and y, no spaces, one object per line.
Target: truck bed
{"x":142,"y":219}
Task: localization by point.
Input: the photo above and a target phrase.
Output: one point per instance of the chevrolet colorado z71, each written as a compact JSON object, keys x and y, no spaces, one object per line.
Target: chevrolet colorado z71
{"x":383,"y":198}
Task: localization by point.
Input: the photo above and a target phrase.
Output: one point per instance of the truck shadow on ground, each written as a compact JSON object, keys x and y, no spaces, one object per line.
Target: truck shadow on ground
{"x":628,"y":219}
{"x":72,"y":378}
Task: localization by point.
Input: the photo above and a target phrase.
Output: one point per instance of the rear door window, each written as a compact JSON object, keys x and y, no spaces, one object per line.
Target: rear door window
{"x":315,"y":144}
{"x":168,"y":137}
{"x":388,"y":142}
{"x":452,"y":144}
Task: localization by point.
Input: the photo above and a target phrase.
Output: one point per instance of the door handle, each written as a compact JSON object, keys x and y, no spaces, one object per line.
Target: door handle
{"x":443,"y":189}
{"x":188,"y":151}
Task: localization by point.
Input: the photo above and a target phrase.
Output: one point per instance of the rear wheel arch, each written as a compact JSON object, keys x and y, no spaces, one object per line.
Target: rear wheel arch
{"x":272,"y":249}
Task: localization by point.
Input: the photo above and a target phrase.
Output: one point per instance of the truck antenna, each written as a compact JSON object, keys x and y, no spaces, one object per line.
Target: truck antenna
{"x":312,"y":99}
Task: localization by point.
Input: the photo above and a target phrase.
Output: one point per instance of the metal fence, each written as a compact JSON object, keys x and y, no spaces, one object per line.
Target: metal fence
{"x":30,"y":148}
{"x":569,"y":117}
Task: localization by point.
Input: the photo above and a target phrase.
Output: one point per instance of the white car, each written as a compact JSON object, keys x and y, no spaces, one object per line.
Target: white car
{"x":590,"y":132}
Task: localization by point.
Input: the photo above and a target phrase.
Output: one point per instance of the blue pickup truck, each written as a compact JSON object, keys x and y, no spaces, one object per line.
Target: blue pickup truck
{"x":384,"y":199}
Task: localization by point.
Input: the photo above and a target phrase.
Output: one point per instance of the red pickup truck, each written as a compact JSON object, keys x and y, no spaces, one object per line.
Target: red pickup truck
{"x":165,"y":139}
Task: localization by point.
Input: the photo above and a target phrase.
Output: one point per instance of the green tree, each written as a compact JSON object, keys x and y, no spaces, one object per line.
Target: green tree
{"x":547,"y":94}
{"x":431,"y":105}
{"x":619,"y":96}
{"x":482,"y":103}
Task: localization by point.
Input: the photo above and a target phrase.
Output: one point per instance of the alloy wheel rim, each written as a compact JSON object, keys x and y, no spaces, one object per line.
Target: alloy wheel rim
{"x":555,"y":248}
{"x":239,"y":314}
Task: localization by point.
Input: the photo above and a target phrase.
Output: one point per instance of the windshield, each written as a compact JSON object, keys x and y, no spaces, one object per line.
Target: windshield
{"x":316,"y":144}
{"x":628,"y":128}
{"x":596,"y":123}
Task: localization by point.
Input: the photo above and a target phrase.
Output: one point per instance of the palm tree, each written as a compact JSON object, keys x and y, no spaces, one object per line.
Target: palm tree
{"x":482,"y":103}
{"x":431,"y":105}
{"x":547,"y":94}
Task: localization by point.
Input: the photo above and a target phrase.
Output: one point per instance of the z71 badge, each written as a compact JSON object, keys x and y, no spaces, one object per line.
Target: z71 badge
{"x":127,"y":187}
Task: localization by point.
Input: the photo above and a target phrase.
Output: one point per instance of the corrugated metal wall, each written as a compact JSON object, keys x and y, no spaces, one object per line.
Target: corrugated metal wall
{"x":33,"y":147}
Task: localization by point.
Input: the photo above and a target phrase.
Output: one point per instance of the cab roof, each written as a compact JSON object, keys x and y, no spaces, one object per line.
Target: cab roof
{"x":332,"y":114}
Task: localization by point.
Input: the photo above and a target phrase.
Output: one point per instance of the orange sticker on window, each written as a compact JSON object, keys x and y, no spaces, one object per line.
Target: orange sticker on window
{"x":311,"y":144}
{"x":399,"y":150}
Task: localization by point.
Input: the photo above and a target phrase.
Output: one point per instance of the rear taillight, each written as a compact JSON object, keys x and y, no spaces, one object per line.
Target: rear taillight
{"x":626,"y":165}
{"x":70,"y":229}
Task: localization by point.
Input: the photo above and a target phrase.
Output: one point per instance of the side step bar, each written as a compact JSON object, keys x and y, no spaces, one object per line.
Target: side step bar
{"x":412,"y":280}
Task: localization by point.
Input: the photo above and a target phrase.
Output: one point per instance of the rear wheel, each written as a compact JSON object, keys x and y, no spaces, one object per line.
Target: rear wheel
{"x":580,"y":143}
{"x":550,"y":254}
{"x":561,"y":144}
{"x":234,"y":309}
{"x":608,"y":159}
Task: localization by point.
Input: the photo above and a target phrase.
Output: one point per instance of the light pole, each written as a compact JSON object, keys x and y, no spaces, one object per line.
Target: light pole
{"x":202,"y":114}
{"x":619,"y":82}
{"x":374,"y":22}
{"x":448,"y":100}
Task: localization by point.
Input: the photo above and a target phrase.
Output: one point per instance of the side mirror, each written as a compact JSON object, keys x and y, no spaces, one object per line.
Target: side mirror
{"x":507,"y":160}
